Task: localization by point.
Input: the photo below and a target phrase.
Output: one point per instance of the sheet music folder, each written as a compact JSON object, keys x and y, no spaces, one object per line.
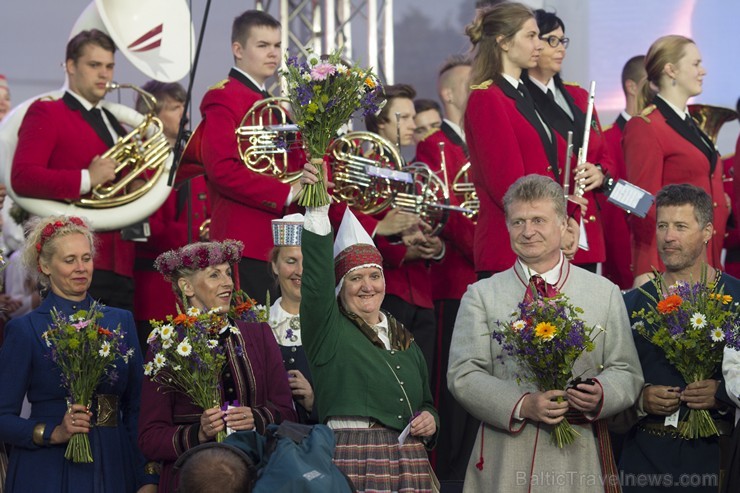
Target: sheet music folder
{"x":630,"y":197}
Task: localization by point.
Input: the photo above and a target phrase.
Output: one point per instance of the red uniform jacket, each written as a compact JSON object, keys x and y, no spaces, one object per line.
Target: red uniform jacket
{"x":660,"y":149}
{"x":243,"y":203}
{"x":56,"y":142}
{"x":452,"y":275}
{"x":153,"y":296}
{"x":618,"y":264}
{"x":506,"y":141}
{"x":731,"y":166}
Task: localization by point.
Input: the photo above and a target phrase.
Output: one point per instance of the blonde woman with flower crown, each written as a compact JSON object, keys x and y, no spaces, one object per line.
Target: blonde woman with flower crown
{"x":59,"y":253}
{"x":254,"y":380}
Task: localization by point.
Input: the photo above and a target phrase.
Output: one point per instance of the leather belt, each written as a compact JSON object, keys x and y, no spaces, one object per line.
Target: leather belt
{"x":658,"y":429}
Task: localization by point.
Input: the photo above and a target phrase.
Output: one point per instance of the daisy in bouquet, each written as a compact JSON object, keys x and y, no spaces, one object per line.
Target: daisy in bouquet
{"x":691,"y":323}
{"x":324,"y":94}
{"x":188,"y":357}
{"x":546,"y":337}
{"x":85,"y":352}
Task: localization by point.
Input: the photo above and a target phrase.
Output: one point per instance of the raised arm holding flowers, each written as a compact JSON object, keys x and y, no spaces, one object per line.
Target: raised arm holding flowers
{"x":324,"y":95}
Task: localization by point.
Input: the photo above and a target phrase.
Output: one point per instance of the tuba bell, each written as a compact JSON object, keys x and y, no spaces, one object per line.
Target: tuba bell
{"x":264,"y":136}
{"x":711,"y":118}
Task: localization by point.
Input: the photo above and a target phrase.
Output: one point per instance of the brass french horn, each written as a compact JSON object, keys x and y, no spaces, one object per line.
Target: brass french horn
{"x":264,"y":136}
{"x":369,"y":174}
{"x":364,"y":167}
{"x":426,"y":196}
{"x":463,"y":187}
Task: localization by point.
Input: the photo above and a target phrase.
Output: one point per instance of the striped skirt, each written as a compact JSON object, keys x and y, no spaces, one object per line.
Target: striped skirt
{"x":373,"y":460}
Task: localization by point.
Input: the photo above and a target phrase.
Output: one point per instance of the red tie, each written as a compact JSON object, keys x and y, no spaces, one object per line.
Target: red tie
{"x":542,"y":288}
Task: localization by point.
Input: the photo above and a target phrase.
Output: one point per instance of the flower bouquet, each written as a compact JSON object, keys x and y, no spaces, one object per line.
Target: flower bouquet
{"x":546,"y":337}
{"x":691,"y":323}
{"x":324,"y":94}
{"x":188,"y":357}
{"x":83,"y":350}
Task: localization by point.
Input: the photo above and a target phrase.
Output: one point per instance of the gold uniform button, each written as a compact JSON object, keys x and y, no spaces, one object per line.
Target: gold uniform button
{"x":714,"y":204}
{"x":592,"y":218}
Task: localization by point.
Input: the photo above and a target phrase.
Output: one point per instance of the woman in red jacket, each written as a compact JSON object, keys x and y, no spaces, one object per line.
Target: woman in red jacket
{"x":506,"y":136}
{"x":664,"y":146}
{"x":563,"y":107}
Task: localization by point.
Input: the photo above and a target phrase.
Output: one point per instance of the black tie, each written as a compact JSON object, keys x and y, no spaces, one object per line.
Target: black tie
{"x":524,"y":92}
{"x":102,"y":129}
{"x":551,"y":95}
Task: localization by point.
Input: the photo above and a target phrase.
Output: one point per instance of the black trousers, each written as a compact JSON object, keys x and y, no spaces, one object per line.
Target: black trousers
{"x":419,"y":321}
{"x":458,"y":429}
{"x":112,"y":289}
{"x":255,"y":279}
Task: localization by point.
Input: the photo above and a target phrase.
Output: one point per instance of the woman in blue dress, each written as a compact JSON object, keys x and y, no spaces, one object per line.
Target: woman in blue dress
{"x":60,"y":252}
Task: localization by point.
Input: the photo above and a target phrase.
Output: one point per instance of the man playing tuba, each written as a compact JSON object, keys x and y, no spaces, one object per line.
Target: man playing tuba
{"x":58,"y":156}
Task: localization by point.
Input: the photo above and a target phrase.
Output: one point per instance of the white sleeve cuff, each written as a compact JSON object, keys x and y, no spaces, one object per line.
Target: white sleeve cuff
{"x":316,"y":220}
{"x":518,"y":410}
{"x":85,"y":184}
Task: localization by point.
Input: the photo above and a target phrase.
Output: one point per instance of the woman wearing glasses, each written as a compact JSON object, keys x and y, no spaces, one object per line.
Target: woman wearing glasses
{"x":664,"y":146}
{"x":506,"y":136}
{"x":563,"y":107}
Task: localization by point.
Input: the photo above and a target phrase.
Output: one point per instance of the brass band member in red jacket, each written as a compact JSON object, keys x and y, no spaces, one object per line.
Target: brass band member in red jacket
{"x":58,"y":155}
{"x":663,"y":146}
{"x":506,"y":136}
{"x":563,"y":106}
{"x":244,"y":202}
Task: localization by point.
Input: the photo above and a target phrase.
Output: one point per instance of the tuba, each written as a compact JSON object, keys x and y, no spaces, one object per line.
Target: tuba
{"x":711,"y":118}
{"x":154,"y":46}
{"x":143,"y":154}
{"x":465,"y":190}
{"x":263,"y":138}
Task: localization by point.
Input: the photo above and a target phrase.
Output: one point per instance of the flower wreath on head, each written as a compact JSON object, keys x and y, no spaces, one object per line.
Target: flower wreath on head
{"x":198,"y":256}
{"x":51,"y":229}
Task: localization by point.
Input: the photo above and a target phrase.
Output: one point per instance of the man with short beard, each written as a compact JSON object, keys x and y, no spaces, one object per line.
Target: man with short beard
{"x":651,"y":448}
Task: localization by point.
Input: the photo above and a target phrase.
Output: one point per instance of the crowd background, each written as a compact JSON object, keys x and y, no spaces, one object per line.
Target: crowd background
{"x":604,"y":35}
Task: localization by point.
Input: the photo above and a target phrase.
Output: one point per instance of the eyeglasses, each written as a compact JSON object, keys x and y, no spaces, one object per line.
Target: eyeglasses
{"x":554,"y":41}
